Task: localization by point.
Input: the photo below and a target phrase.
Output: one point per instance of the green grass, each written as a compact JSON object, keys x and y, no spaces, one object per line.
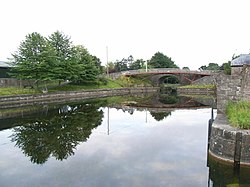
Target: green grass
{"x":17,"y":91}
{"x":54,"y":87}
{"x":87,"y":86}
{"x":239,"y":114}
{"x":199,"y":86}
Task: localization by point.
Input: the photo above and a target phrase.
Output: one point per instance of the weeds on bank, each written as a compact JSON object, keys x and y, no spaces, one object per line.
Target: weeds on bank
{"x":239,"y":114}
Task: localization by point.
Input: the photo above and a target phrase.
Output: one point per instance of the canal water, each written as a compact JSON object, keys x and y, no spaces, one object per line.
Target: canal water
{"x":115,"y":142}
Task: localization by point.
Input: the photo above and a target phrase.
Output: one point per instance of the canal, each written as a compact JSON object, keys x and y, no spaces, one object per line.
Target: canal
{"x":139,"y":141}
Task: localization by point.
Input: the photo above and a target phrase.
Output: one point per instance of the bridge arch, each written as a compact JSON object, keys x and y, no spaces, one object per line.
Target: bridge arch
{"x":155,"y":75}
{"x":169,"y":79}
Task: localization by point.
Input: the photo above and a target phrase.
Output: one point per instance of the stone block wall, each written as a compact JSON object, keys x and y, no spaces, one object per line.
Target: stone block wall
{"x":206,"y":80}
{"x":229,"y":143}
{"x":24,"y":100}
{"x":228,"y":89}
{"x":226,"y":142}
{"x":245,"y":82}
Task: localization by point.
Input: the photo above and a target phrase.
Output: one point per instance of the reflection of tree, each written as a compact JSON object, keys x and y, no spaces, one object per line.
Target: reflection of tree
{"x":57,"y":134}
{"x":168,"y":99}
{"x":158,"y":116}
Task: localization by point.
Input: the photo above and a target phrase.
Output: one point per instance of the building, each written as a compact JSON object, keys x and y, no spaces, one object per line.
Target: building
{"x":238,"y":63}
{"x":4,"y":69}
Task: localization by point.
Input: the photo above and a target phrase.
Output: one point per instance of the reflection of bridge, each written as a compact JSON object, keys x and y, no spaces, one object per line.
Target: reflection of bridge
{"x":157,"y":75}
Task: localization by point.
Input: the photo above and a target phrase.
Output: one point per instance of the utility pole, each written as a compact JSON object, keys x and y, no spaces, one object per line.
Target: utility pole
{"x":107,"y":55}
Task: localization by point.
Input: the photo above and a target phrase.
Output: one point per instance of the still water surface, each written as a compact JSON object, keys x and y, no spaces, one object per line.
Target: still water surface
{"x":87,"y":144}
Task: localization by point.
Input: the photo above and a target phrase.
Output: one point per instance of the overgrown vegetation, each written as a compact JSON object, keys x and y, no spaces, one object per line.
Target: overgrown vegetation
{"x":239,"y":114}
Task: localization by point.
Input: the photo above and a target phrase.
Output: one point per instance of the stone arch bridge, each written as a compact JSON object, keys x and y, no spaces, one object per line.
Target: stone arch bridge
{"x":158,"y":75}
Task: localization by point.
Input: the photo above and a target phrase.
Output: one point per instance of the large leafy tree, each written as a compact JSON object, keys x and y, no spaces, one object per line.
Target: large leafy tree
{"x":34,"y":59}
{"x":159,"y":60}
{"x":83,"y":65}
{"x":62,"y":45}
{"x":54,"y":58}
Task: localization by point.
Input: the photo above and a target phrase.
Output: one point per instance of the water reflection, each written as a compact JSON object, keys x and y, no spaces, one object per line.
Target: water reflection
{"x":58,"y":133}
{"x":142,"y":146}
{"x":225,"y":174}
{"x":159,"y":116}
{"x":57,"y":130}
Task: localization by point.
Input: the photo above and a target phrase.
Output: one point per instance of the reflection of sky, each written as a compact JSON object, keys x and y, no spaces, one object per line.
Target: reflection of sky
{"x":138,"y":152}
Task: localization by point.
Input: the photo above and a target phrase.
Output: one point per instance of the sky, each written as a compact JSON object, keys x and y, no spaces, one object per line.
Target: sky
{"x":193,"y":33}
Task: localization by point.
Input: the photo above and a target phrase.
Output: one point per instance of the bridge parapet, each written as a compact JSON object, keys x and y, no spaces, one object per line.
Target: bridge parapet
{"x":166,"y":70}
{"x":161,"y":71}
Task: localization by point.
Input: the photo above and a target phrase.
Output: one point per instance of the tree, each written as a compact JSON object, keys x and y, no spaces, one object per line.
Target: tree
{"x":54,"y":58}
{"x":34,"y":59}
{"x":111,"y":67}
{"x":121,"y":65}
{"x":159,"y":60}
{"x":97,"y":63}
{"x":185,"y":68}
{"x":226,"y":67}
{"x":83,"y":66}
{"x":138,"y":64}
{"x":211,"y":66}
{"x":62,"y":45}
{"x":64,"y":52}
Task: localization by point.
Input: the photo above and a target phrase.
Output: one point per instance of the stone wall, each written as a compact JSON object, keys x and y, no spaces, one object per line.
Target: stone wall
{"x":229,"y":143}
{"x":226,"y":142}
{"x":9,"y":82}
{"x":23,"y":100}
{"x":206,"y":80}
{"x":233,"y":87}
{"x":245,"y":83}
{"x":196,"y":91}
{"x":228,"y":89}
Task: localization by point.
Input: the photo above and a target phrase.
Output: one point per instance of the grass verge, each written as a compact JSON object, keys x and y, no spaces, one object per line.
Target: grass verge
{"x":239,"y":114}
{"x":54,"y":87}
{"x":17,"y":91}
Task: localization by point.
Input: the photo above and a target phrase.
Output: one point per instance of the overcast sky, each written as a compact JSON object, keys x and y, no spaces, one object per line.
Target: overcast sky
{"x":192,"y":32}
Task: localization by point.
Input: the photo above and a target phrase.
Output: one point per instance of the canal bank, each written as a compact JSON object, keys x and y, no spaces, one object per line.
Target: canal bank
{"x":26,"y":100}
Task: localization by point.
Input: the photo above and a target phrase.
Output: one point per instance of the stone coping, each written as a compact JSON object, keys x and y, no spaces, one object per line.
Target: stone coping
{"x":228,"y":143}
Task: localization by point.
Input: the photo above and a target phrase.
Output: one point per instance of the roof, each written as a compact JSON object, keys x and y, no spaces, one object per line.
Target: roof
{"x":241,"y":60}
{"x":4,"y":64}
